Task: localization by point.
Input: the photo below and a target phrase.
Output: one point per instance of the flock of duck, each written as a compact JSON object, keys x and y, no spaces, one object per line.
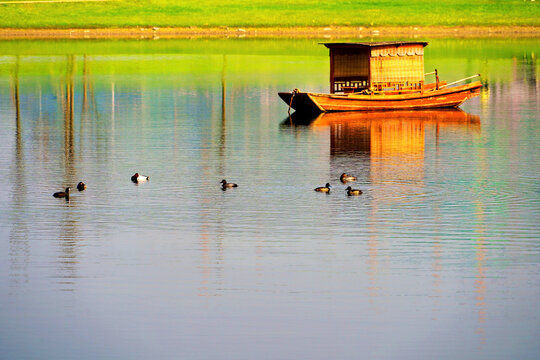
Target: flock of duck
{"x":65,"y":194}
{"x":138,"y":178}
{"x":345,"y":178}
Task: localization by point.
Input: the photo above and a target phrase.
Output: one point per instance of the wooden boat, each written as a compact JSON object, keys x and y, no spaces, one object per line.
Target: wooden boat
{"x":442,"y":98}
{"x":380,"y":76}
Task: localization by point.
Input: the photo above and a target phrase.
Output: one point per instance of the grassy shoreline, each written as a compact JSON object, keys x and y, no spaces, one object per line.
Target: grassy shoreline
{"x":292,"y":32}
{"x":87,"y":14}
{"x":268,"y":18}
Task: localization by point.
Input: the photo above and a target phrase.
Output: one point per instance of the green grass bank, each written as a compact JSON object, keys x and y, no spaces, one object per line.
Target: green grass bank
{"x":92,"y":14}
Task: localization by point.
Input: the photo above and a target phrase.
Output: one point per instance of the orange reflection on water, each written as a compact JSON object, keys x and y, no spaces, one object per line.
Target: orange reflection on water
{"x":480,"y":277}
{"x":394,"y":140}
{"x":390,"y":132}
{"x":394,"y":143}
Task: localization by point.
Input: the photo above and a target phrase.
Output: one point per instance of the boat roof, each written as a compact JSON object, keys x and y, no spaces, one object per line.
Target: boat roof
{"x":372,"y":44}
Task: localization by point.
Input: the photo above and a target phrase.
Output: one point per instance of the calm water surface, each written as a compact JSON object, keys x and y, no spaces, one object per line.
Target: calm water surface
{"x":438,"y":259}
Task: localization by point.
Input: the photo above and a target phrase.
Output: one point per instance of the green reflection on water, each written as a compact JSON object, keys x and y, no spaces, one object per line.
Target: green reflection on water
{"x":204,"y":56}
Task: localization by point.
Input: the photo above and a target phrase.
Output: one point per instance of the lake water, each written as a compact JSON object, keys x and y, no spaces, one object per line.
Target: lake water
{"x":438,"y":259}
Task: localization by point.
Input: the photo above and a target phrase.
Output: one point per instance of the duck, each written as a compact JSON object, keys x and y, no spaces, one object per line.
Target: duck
{"x":325,"y":189}
{"x":62,"y":194}
{"x":139,"y":178}
{"x":353,"y":192}
{"x":346,"y":178}
{"x":81,"y":186}
{"x":225,"y":184}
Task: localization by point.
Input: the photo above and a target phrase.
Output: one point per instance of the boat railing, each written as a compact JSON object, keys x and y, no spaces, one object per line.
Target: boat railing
{"x":397,"y":87}
{"x":357,"y":86}
{"x":383,"y":87}
{"x":349,"y":85}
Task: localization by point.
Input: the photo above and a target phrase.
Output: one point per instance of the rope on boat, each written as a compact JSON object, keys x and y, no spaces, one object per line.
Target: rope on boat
{"x":458,"y":81}
{"x":294,"y":92}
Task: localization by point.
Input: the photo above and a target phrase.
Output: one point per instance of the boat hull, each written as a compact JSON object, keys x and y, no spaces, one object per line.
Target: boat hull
{"x":443,"y":98}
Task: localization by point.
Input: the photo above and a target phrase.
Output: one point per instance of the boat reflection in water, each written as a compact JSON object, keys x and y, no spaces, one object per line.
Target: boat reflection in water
{"x":401,"y":131}
{"x":387,"y":146}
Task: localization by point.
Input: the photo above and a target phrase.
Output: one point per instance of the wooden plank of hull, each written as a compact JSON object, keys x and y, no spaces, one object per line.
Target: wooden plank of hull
{"x":448,"y":97}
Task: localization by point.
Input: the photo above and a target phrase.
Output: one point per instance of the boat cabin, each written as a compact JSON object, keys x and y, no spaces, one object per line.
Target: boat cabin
{"x":392,"y":67}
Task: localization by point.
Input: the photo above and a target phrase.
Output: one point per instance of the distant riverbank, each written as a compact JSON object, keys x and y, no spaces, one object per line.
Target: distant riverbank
{"x":267,"y":18}
{"x":298,"y":32}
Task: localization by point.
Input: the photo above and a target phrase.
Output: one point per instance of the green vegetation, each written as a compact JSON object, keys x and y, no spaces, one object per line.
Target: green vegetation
{"x":269,"y":13}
